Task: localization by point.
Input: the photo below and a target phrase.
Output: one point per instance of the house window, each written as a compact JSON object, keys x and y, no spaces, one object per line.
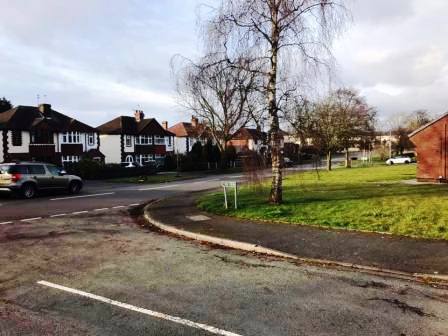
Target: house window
{"x":91,"y":139}
{"x":17,"y":138}
{"x":71,"y":137}
{"x":144,"y":140}
{"x":169,"y":141}
{"x":129,"y":159}
{"x":159,"y":156}
{"x":159,"y":140}
{"x":42,"y":137}
{"x":70,"y":158}
{"x":146,"y":158}
{"x":128,"y":141}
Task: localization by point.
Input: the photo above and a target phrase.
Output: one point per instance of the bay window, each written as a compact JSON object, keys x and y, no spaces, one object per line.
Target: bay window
{"x":71,"y":137}
{"x":144,"y":140}
{"x":159,"y":140}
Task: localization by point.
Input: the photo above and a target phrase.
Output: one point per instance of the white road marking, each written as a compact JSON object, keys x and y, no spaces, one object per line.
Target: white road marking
{"x":82,"y":196}
{"x":119,"y":207}
{"x":163,"y":187}
{"x":79,"y":212}
{"x":4,"y":223}
{"x":152,"y":313}
{"x":30,"y":219}
{"x":101,"y":209}
{"x":134,"y":204}
{"x":58,"y":215}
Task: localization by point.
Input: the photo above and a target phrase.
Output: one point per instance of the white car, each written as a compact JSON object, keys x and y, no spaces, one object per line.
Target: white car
{"x":399,"y":159}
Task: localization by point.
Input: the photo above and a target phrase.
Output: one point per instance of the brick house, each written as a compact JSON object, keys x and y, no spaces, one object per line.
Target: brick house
{"x":134,"y":139}
{"x":431,"y":147}
{"x":43,"y":134}
{"x":249,"y":139}
{"x":187,"y":134}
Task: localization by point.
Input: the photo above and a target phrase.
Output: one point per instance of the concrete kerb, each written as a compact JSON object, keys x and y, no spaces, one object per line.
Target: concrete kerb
{"x":248,"y":247}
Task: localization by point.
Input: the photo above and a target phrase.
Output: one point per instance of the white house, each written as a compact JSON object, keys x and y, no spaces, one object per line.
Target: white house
{"x":187,"y":134}
{"x":134,"y":139}
{"x":43,"y":134}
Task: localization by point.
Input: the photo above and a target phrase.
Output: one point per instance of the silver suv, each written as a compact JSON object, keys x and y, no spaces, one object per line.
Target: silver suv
{"x":27,"y":178}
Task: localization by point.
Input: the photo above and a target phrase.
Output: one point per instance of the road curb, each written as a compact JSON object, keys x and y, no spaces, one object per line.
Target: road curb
{"x":248,"y":247}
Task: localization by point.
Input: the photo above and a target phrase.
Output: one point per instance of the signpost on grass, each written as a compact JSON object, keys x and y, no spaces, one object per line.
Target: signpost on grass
{"x":230,"y":184}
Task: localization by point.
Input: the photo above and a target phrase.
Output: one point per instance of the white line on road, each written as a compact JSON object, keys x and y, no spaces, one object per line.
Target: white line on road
{"x":119,"y":207}
{"x":58,"y":215}
{"x":79,"y":212}
{"x":82,"y":196}
{"x":163,"y":187}
{"x":134,"y":204}
{"x":30,"y":219}
{"x":4,"y":223}
{"x":101,"y":209}
{"x":152,"y":313}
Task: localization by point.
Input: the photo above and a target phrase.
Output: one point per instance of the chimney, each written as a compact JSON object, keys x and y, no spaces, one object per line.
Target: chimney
{"x":165,"y":124}
{"x":44,"y":108}
{"x":139,"y":115}
{"x":194,"y":121}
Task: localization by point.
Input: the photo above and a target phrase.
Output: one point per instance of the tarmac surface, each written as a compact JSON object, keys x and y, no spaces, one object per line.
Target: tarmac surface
{"x":369,"y":249}
{"x":111,"y":255}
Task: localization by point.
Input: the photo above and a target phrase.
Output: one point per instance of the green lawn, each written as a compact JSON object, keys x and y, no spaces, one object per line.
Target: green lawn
{"x":369,"y":198}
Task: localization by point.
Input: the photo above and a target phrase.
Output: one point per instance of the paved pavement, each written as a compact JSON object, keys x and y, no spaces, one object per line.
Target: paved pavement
{"x":167,"y":285}
{"x":383,"y":251}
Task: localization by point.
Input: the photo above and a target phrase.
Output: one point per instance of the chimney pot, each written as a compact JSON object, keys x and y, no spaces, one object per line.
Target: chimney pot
{"x":139,"y":115}
{"x":194,"y":121}
{"x":165,"y":124}
{"x":44,"y":108}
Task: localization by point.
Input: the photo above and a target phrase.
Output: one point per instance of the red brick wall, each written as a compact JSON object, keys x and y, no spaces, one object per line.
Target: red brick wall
{"x":431,"y":147}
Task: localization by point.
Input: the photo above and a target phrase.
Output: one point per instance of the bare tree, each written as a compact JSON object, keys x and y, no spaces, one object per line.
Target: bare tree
{"x":5,"y":105}
{"x":280,"y":34}
{"x":222,"y":94}
{"x":356,"y":119}
{"x":325,"y":128}
{"x":417,"y":119}
{"x":340,"y":121}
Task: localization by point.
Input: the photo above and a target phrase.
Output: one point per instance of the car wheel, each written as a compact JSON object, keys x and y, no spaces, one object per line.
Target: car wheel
{"x":407,"y":162}
{"x":74,"y":187}
{"x":28,"y":191}
{"x":391,"y":163}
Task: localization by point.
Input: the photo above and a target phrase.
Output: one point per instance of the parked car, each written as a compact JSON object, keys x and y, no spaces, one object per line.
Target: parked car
{"x":399,"y":159}
{"x":287,"y":162}
{"x":28,"y":178}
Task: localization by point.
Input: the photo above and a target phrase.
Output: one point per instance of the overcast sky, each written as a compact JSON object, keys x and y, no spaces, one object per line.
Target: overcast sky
{"x":97,"y":59}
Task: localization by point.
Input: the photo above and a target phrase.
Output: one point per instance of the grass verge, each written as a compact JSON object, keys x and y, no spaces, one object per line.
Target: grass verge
{"x":173,"y":176}
{"x":368,"y":198}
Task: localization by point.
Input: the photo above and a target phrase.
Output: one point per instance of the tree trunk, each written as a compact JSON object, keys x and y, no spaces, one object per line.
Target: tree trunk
{"x":348,"y":163}
{"x":329,"y":160}
{"x":276,"y":195}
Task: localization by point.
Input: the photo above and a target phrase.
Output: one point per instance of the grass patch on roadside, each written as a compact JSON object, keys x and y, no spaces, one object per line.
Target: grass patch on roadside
{"x":153,"y":179}
{"x":173,"y":176}
{"x":368,"y":198}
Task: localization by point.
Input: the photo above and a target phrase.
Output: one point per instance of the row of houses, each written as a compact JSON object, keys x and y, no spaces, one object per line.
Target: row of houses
{"x":43,"y":134}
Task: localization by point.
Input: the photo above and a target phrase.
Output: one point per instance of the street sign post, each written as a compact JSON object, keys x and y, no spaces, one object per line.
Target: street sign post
{"x":230,"y":184}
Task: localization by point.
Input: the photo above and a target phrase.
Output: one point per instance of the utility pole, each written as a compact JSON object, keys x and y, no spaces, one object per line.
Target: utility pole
{"x":390,"y":144}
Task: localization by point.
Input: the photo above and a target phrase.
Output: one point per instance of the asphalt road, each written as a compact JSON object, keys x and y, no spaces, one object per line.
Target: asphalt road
{"x":96,"y":196}
{"x":101,"y":196}
{"x":162,"y":285}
